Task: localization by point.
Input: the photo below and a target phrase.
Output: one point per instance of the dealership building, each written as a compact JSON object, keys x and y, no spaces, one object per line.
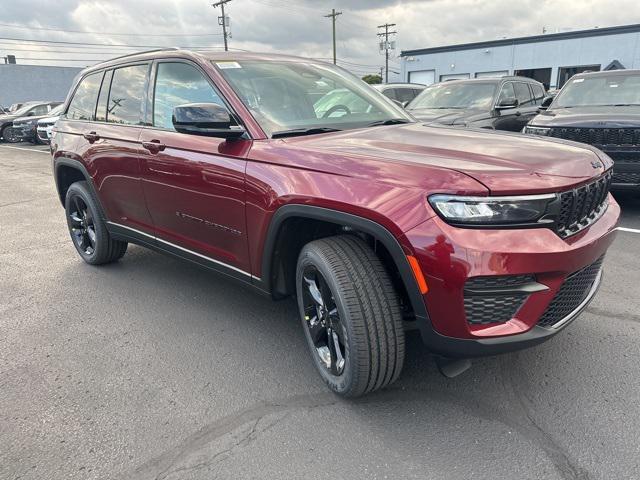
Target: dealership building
{"x":550,"y":58}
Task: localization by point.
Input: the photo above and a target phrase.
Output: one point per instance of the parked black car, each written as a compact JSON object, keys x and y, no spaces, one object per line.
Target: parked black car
{"x":33,"y":110}
{"x":401,"y":93}
{"x":501,"y":103}
{"x":601,"y":109}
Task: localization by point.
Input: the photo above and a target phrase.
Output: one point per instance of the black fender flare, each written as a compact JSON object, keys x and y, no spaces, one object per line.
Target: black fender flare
{"x":77,"y":165}
{"x":377,"y":231}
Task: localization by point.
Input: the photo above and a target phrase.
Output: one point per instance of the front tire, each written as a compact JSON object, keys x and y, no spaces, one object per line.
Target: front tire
{"x":8,"y":134}
{"x":88,"y":231}
{"x":350,"y":314}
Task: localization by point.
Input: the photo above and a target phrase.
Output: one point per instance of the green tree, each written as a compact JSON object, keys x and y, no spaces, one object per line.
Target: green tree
{"x":372,"y":79}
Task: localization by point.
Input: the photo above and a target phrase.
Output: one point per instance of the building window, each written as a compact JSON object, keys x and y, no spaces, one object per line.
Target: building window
{"x":542,"y":75}
{"x":565,"y":73}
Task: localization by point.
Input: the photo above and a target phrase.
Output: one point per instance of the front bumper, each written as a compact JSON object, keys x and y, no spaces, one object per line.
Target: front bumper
{"x":44,"y":133}
{"x":450,"y":256}
{"x":25,"y":132}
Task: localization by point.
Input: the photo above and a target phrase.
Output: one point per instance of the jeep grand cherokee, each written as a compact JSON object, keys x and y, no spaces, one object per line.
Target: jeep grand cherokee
{"x":485,"y":242}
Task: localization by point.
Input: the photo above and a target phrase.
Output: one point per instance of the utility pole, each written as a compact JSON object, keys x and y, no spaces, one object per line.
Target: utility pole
{"x":333,"y":16}
{"x":224,"y":21}
{"x":386,"y":34}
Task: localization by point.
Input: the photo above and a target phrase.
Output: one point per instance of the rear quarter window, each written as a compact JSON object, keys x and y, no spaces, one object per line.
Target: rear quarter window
{"x":83,"y":103}
{"x":126,"y":98}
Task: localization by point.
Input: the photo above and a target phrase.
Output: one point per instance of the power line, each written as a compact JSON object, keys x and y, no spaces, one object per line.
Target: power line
{"x":162,"y":35}
{"x":61,"y":42}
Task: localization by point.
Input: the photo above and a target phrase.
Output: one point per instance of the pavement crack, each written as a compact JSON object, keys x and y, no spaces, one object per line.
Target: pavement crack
{"x":618,"y":316}
{"x":16,"y":203}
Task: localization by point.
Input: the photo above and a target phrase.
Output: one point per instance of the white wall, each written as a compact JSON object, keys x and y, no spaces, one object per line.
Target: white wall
{"x":600,"y":50}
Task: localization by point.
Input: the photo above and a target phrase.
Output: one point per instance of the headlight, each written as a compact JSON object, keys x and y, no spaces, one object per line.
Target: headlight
{"x":525,"y":209}
{"x":531,"y":130}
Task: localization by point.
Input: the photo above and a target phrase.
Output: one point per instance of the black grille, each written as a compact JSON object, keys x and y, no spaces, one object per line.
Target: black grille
{"x":483,"y":304}
{"x":580,"y":207}
{"x":599,"y":136}
{"x":572,"y":293}
{"x":626,"y":177}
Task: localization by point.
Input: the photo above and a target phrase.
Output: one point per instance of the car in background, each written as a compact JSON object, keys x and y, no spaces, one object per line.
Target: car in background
{"x":601,"y":109}
{"x":501,"y":103}
{"x":24,"y":127}
{"x":45,"y":125}
{"x":402,"y":93}
{"x":29,"y":109}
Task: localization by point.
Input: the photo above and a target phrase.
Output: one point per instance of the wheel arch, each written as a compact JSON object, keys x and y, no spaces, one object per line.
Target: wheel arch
{"x":68,"y":171}
{"x":276,"y":246}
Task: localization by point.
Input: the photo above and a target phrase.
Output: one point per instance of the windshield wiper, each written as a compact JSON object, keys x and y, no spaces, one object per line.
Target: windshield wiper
{"x":390,"y":121}
{"x":295,"y":132}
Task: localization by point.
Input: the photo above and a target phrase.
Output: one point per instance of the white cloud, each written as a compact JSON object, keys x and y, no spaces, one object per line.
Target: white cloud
{"x":298,"y":27}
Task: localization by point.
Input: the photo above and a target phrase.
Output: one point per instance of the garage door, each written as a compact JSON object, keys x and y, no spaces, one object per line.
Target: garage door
{"x":497,"y":73}
{"x":454,"y":76}
{"x":425,"y":77}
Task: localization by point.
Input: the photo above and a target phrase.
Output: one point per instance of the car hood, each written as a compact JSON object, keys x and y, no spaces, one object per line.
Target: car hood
{"x":28,"y":119}
{"x":446,"y":116}
{"x":505,"y":163}
{"x":49,"y":119}
{"x":590,"y":117}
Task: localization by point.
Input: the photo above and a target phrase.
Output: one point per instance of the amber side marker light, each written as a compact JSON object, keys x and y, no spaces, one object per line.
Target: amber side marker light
{"x":415,"y":266}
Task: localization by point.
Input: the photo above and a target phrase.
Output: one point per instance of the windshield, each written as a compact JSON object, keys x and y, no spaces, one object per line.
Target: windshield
{"x":57,"y":111}
{"x":455,"y":95}
{"x":285,"y":96}
{"x":600,"y":90}
{"x":24,"y":109}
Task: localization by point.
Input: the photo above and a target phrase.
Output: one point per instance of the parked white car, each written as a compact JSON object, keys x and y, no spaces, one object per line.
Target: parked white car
{"x":45,"y":125}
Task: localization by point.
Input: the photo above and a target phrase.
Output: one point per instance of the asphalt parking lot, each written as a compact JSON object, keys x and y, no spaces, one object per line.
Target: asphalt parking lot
{"x":153,"y":369}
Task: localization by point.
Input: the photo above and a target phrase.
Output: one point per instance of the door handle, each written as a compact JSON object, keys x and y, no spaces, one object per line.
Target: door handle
{"x":91,"y":136}
{"x":154,"y":146}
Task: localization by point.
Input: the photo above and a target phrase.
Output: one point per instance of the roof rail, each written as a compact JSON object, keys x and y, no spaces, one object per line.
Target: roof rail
{"x":139,"y":53}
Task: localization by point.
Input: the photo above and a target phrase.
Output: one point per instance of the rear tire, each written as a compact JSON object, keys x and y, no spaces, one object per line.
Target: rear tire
{"x":87,"y":228}
{"x":349,"y":311}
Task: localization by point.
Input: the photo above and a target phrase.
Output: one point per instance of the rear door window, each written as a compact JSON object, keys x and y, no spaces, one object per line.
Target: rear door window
{"x":126,"y":98}
{"x":83,"y":103}
{"x":179,"y":83}
{"x":523,"y":94}
{"x":538,"y":93}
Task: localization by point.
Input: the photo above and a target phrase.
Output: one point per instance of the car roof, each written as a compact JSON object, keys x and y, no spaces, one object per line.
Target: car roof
{"x":608,"y":73}
{"x":491,"y":80}
{"x":381,"y":86}
{"x":213,"y":55}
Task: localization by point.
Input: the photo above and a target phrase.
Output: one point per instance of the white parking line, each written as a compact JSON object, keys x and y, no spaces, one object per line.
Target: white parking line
{"x":26,"y":149}
{"x":629,"y":230}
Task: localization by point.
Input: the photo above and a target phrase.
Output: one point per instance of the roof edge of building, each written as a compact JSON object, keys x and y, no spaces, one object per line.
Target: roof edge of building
{"x":548,"y":37}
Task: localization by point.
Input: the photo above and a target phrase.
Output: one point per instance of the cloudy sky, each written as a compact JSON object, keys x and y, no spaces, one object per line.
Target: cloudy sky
{"x":290,"y":26}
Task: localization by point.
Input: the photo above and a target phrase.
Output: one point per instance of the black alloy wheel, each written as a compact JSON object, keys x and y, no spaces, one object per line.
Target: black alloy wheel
{"x":81,"y":223}
{"x":322,"y":321}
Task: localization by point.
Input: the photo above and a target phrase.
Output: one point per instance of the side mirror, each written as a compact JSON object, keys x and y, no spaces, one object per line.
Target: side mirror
{"x":397,"y":102}
{"x":30,"y":114}
{"x":546,"y":103}
{"x":207,"y":119}
{"x":507,"y":103}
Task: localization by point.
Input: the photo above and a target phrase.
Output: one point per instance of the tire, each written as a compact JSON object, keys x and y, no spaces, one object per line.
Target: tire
{"x":354,"y":285}
{"x":87,"y":228}
{"x":8,"y":136}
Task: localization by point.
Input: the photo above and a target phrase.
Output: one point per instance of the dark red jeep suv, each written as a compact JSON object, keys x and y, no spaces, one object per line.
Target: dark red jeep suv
{"x":296,"y":178}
